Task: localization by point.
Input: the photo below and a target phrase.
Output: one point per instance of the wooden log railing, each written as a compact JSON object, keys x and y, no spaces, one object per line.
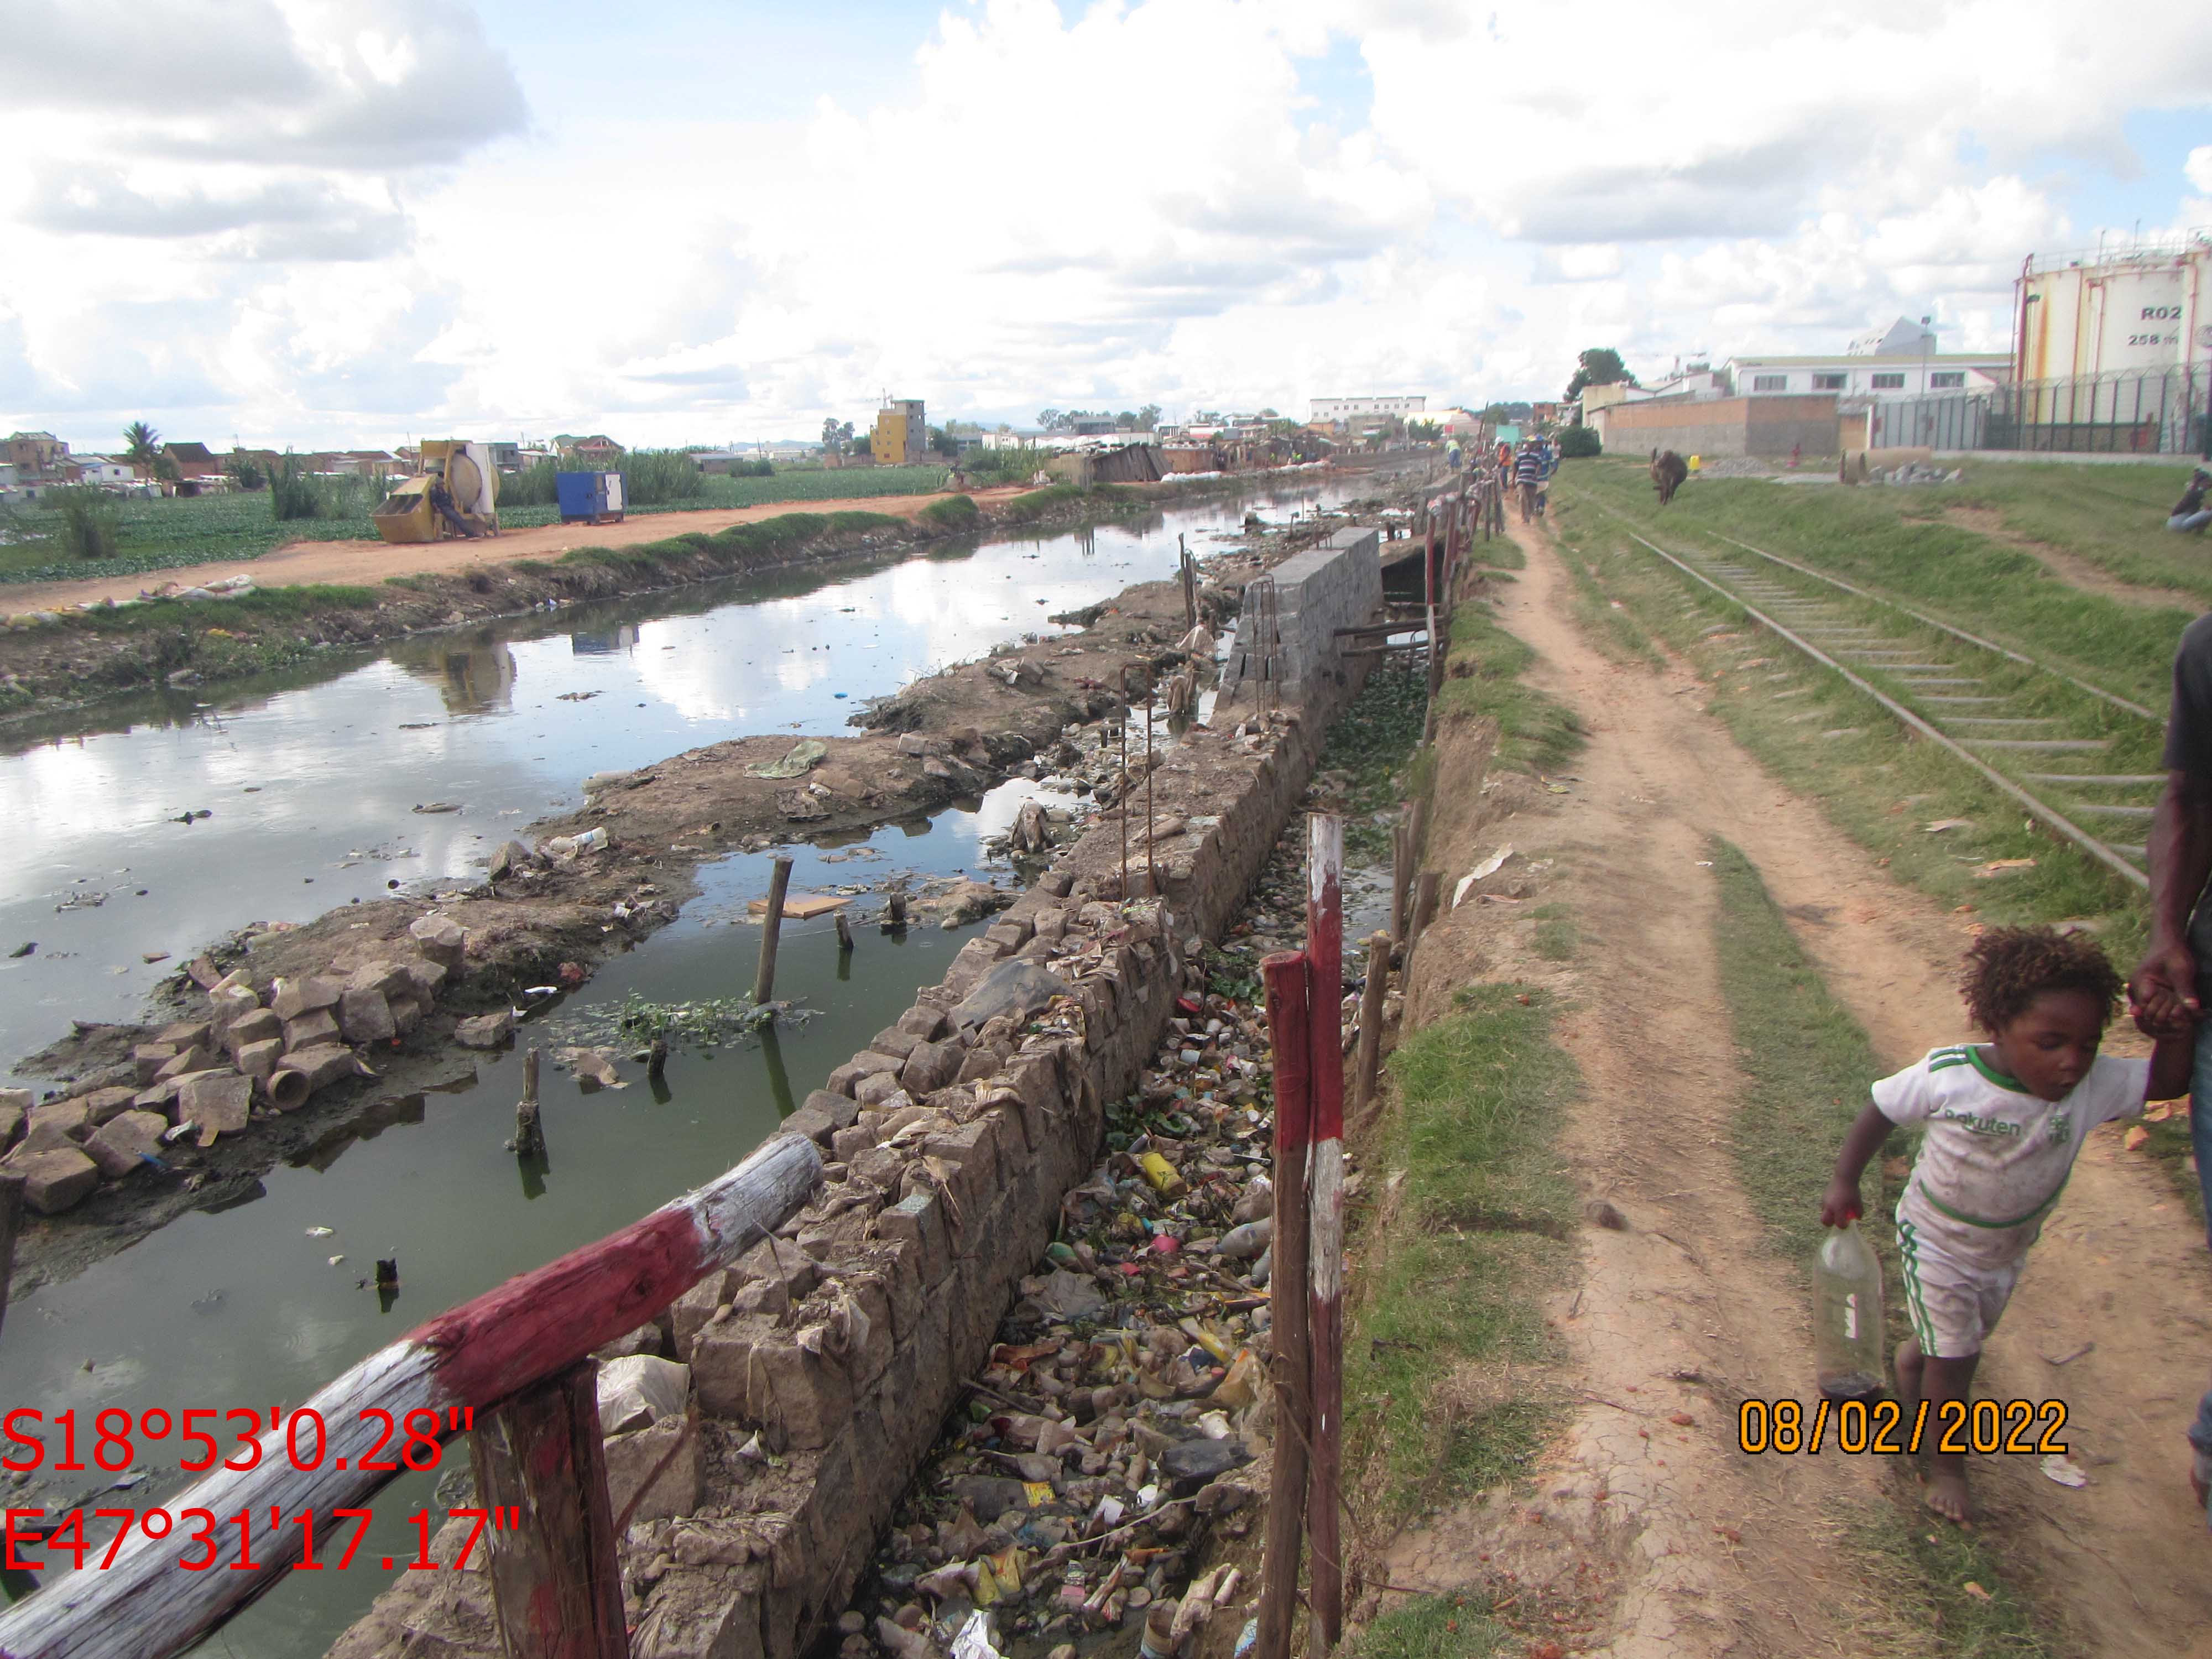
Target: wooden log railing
{"x":527,"y":1331}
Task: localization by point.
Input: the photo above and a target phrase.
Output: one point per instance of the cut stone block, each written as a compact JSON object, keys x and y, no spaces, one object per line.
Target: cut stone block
{"x":365,"y":1016}
{"x":193,"y":1059}
{"x":54,"y":1180}
{"x":121,"y":1146}
{"x":295,"y":997}
{"x":312,"y":1030}
{"x":258,"y":1026}
{"x":485,"y":1030}
{"x":149,"y":1058}
{"x":106,"y":1104}
{"x":441,"y":938}
{"x":221,"y":1103}
{"x":257,"y":1059}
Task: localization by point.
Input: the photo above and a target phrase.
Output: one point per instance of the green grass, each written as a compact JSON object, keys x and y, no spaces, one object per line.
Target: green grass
{"x":1924,"y":1570}
{"x":1448,"y":1286}
{"x":1896,"y":542}
{"x":952,"y":515}
{"x":1823,"y":738}
{"x":1810,"y":1065}
{"x":1535,"y":731}
{"x":164,"y":533}
{"x":1431,"y":1627}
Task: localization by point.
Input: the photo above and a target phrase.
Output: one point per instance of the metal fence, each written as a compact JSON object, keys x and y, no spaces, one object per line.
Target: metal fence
{"x":2142,"y":412}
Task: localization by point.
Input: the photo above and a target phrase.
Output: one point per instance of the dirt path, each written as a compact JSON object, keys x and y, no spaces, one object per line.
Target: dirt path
{"x":2070,"y":568}
{"x":1713,"y":1552}
{"x":371,"y":562}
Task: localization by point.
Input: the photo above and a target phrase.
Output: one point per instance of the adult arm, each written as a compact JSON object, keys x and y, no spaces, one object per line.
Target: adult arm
{"x":1841,"y":1203}
{"x":2164,"y":989}
{"x":2171,"y":1063}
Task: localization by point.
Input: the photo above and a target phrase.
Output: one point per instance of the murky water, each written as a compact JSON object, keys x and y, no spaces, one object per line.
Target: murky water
{"x":311,"y":779}
{"x":245,"y":1306}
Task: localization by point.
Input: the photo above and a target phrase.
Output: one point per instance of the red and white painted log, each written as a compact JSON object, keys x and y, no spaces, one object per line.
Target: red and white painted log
{"x":1324,"y":1323}
{"x":531,"y":1329}
{"x":1287,"y":986}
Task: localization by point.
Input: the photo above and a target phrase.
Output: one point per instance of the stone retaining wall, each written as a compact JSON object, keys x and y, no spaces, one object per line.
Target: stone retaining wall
{"x":1336,"y":585}
{"x":838,"y":1348}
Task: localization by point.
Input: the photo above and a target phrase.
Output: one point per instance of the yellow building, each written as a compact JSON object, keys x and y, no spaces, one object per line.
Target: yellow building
{"x":901,"y":434}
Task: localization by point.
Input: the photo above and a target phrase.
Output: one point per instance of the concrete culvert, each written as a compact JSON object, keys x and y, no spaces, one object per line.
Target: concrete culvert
{"x":288,"y":1090}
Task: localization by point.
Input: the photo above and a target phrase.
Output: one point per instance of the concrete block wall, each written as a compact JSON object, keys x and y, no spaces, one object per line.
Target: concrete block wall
{"x":845,"y":1340}
{"x":1336,"y":585}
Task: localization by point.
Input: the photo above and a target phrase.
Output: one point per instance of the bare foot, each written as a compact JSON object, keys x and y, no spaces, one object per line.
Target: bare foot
{"x":1946,"y":1495}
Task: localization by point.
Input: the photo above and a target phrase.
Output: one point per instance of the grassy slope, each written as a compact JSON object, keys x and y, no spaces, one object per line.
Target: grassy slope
{"x":1894,"y":540}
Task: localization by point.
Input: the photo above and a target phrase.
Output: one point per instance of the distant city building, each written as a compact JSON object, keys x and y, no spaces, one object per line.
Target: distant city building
{"x":900,"y":437}
{"x":1345,"y":409}
{"x":34,"y":454}
{"x":1899,"y":361}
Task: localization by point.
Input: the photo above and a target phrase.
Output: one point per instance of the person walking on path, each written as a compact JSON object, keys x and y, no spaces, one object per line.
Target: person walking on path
{"x":1529,"y":473}
{"x":2170,"y":987}
{"x":2189,"y":514}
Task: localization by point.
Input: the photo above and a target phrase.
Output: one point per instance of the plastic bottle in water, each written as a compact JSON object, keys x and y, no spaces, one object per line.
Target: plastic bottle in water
{"x":1847,"y":1329}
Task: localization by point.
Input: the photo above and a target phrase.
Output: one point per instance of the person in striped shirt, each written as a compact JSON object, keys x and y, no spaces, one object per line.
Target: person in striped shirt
{"x":2005,"y":1121}
{"x":1528,"y":473}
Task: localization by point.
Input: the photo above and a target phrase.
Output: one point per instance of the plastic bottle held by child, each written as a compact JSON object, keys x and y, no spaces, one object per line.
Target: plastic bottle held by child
{"x":1847,"y":1329}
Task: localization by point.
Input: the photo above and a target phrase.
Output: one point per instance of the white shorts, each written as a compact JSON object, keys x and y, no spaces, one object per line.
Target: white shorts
{"x":1952,"y":1306}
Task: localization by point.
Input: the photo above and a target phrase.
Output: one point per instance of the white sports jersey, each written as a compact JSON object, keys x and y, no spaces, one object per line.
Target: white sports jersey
{"x":1995,"y":1157}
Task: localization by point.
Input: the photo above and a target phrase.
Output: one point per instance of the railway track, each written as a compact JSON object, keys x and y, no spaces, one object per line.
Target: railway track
{"x":2080,"y":758}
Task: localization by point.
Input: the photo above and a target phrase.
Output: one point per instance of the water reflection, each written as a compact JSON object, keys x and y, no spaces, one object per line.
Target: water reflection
{"x":312,"y":777}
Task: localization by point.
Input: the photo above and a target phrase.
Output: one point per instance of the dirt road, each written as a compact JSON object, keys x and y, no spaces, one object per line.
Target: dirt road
{"x":371,"y":562}
{"x":1686,"y":1312}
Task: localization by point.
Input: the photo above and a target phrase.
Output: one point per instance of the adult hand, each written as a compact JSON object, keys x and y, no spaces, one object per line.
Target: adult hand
{"x":2163,"y":993}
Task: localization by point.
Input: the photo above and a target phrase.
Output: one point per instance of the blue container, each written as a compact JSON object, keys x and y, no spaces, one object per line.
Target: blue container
{"x":589,"y":497}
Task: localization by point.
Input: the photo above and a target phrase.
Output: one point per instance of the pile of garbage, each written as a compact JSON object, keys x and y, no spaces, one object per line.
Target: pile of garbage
{"x":1918,"y":472}
{"x":1124,"y":1418}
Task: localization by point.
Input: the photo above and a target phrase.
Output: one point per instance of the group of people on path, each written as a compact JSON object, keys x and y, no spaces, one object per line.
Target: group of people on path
{"x":1525,"y":472}
{"x":2006,"y":1118}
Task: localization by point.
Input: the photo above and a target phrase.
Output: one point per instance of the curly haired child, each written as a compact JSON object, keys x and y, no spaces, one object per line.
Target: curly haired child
{"x":2006,"y":1119}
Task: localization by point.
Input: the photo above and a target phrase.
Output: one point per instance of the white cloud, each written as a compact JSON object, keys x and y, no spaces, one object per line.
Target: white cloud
{"x":348,"y":229}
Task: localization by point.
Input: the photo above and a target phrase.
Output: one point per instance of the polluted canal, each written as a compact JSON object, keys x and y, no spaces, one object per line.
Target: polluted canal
{"x":267,"y":1298}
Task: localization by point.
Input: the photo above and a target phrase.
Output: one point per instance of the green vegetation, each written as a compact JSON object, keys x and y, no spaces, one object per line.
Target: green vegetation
{"x":650,"y":477}
{"x":952,"y":515}
{"x":1054,"y":498}
{"x":91,"y":520}
{"x":295,"y":493}
{"x":1535,"y":731}
{"x":1445,"y":1290}
{"x":163,"y":533}
{"x":1580,"y":443}
{"x":1368,"y":744}
{"x":1929,"y":1575}
{"x":1431,"y":1627}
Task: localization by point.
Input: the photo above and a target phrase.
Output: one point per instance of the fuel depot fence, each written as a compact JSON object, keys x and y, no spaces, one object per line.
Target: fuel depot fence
{"x":2137,"y":412}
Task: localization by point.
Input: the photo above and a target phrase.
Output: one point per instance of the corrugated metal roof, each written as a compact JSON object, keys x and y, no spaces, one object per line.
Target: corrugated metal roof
{"x":1885,"y":365}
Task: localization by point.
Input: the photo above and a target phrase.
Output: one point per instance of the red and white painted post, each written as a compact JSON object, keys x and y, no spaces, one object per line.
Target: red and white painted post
{"x":1325,"y":970}
{"x":1285,"y":973}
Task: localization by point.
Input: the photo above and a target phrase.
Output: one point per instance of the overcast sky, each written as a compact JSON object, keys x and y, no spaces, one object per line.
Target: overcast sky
{"x":319,"y":223}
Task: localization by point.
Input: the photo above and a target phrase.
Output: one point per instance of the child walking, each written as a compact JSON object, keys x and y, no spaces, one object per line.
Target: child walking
{"x":2006,"y":1119}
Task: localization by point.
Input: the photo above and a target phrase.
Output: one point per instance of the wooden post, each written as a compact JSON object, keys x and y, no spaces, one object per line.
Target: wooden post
{"x":1325,"y":1017}
{"x":1425,"y":908}
{"x":555,"y":1584}
{"x":1152,"y":863}
{"x":1401,"y":872}
{"x":1370,"y":1021}
{"x":656,"y":1061}
{"x":1288,"y":1026}
{"x":529,"y":1133}
{"x":894,"y":910}
{"x":11,"y":1219}
{"x":844,"y":931}
{"x":1189,"y":586}
{"x":771,"y":932}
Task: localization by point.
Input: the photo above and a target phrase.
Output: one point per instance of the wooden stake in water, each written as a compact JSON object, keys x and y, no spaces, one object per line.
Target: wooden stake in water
{"x":1370,"y":1022}
{"x":529,"y":1137}
{"x":771,"y":932}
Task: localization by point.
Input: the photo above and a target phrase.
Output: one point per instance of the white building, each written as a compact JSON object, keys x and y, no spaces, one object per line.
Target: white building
{"x":1345,"y":409}
{"x":103,"y":470}
{"x":1899,"y":361}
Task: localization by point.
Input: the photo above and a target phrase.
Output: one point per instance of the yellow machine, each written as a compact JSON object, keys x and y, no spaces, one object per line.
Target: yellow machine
{"x":455,"y":494}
